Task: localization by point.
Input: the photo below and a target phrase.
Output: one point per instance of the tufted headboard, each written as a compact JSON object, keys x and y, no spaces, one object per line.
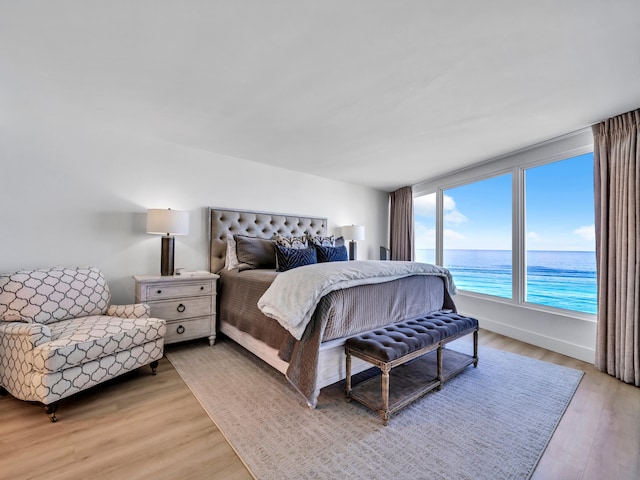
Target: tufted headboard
{"x":254,"y":224}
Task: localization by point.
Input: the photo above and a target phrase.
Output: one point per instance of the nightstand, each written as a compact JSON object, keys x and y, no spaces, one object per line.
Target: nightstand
{"x":187,"y":303}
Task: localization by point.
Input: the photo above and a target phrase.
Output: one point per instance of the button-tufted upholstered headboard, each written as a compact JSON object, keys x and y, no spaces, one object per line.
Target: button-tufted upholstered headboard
{"x":254,"y":224}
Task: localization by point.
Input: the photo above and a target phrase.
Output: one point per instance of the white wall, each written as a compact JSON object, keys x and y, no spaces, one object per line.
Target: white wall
{"x":77,"y":194}
{"x":566,"y":333}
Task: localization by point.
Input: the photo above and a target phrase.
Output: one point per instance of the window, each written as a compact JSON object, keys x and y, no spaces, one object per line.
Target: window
{"x":552,"y":239}
{"x":424,"y":219}
{"x":477,"y":236}
{"x":560,"y":235}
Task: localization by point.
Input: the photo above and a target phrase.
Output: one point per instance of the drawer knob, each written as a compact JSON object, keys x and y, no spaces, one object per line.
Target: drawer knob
{"x":180,"y":329}
{"x":201,"y":288}
{"x":181,"y":308}
{"x":159,"y":292}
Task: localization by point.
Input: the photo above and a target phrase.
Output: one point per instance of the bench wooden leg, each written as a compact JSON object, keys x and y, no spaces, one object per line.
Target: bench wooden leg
{"x":439,"y":354}
{"x":475,"y":348}
{"x":348,"y":375}
{"x":384,"y":413}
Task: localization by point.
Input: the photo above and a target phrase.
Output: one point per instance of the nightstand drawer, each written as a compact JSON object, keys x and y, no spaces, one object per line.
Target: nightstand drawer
{"x":181,"y":308}
{"x":187,"y":329}
{"x":175,"y":290}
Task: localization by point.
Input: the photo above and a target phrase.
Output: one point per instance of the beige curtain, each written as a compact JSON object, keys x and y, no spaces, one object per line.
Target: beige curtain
{"x":401,"y":224}
{"x":616,"y":154}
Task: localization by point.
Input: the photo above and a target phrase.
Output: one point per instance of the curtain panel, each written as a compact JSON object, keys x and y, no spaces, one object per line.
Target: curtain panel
{"x":617,"y":221}
{"x":401,"y":224}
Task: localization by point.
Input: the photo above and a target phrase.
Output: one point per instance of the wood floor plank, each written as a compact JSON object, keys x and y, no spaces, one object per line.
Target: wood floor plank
{"x":144,"y":426}
{"x":137,"y":426}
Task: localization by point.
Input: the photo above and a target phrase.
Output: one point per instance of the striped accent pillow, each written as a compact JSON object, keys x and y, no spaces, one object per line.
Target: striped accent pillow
{"x":288,"y":258}
{"x":331,"y":254}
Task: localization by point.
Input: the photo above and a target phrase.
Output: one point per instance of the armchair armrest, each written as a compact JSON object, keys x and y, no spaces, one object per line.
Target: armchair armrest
{"x":23,"y":336}
{"x":18,"y":340}
{"x":134,"y":310}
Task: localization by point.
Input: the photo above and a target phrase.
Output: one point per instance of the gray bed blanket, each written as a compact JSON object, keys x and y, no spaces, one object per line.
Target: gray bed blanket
{"x":293,"y":296}
{"x":346,"y":312}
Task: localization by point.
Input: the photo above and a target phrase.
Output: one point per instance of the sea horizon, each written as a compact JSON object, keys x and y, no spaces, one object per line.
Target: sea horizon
{"x":557,"y":278}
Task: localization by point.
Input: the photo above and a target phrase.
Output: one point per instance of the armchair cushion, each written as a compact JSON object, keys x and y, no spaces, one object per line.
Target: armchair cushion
{"x":81,"y":340}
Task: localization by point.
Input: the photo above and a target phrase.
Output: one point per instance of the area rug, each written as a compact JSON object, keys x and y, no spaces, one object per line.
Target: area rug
{"x":491,"y":422}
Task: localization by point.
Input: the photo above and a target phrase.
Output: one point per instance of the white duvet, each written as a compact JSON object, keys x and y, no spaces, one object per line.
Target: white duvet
{"x":293,"y":296}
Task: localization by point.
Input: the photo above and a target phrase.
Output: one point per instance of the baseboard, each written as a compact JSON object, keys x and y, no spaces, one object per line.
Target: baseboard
{"x":555,"y":345}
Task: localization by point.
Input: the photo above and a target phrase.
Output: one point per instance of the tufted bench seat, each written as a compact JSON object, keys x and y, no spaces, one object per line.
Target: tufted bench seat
{"x":400,"y":343}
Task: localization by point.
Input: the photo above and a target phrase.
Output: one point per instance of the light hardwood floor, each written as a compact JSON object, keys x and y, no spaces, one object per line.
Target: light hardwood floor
{"x":144,"y":426}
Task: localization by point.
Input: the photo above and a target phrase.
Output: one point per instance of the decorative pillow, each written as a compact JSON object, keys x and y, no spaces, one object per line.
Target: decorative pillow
{"x":339,"y":242}
{"x":254,"y":252}
{"x":331,"y":254}
{"x":329,"y":241}
{"x":291,"y":242}
{"x":288,"y":258}
{"x":231,"y":260}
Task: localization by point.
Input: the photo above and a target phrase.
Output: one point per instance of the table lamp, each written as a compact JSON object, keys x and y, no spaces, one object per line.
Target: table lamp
{"x":167,"y":223}
{"x":353,"y":233}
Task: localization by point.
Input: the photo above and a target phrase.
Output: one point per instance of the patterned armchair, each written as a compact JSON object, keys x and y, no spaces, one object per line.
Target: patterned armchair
{"x":58,"y":334}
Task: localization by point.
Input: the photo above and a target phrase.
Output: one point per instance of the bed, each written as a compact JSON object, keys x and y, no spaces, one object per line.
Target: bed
{"x":317,"y":358}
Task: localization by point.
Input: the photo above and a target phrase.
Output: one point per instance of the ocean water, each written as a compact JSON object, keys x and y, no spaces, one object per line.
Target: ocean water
{"x":556,"y":278}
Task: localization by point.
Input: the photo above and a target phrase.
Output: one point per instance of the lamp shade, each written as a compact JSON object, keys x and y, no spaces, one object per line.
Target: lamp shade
{"x":353,"y":232}
{"x":167,"y":221}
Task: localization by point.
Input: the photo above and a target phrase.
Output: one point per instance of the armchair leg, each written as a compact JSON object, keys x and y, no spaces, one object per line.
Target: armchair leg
{"x":3,"y":391}
{"x":154,"y":366}
{"x":51,"y":411}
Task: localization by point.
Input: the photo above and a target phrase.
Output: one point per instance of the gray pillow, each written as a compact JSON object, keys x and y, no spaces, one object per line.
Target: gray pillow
{"x":253,"y":252}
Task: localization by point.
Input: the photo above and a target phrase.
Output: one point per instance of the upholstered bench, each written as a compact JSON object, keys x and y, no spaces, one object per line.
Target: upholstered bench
{"x":400,"y":343}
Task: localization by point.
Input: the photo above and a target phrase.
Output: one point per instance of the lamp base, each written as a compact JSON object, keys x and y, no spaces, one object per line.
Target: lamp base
{"x":353,"y":250}
{"x":166,"y":257}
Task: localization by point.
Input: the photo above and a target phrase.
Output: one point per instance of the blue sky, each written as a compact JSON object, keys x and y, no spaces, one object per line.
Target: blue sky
{"x":559,"y":210}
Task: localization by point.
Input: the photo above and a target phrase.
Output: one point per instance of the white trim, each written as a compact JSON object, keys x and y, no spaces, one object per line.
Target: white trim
{"x":439,"y":227}
{"x":544,"y":341}
{"x":518,"y":248}
{"x":555,"y":331}
{"x":567,"y":146}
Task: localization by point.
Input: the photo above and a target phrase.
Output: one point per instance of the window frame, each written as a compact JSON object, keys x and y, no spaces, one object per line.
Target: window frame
{"x":440,"y":226}
{"x":517,"y":163}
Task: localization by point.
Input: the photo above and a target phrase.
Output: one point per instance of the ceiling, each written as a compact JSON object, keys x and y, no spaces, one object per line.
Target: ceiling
{"x":380,"y":93}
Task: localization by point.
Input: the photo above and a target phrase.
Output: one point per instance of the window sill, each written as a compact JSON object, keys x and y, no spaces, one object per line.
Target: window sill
{"x":573,"y":314}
